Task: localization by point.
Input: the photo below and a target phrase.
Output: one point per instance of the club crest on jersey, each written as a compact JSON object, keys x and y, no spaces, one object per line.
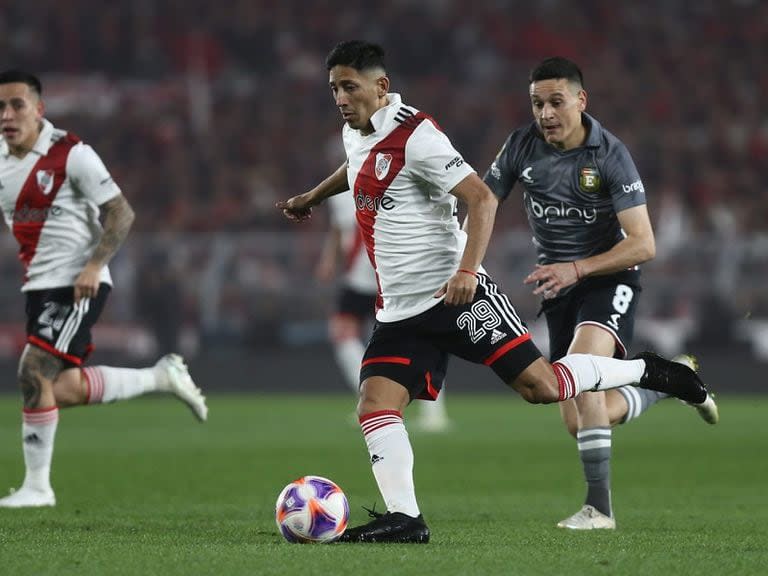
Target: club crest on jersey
{"x":589,"y":179}
{"x":45,"y":181}
{"x":383,"y":162}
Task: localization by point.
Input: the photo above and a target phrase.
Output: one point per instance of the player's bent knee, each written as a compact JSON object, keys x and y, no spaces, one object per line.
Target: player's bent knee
{"x":538,"y":393}
{"x":69,"y":388}
{"x":546,"y":394}
{"x":378,"y":393}
{"x":537,"y":384}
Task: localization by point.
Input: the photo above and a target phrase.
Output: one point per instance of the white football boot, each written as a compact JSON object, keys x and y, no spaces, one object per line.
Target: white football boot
{"x":707,"y":409}
{"x":28,"y":498}
{"x":177,"y":381}
{"x":588,"y":518}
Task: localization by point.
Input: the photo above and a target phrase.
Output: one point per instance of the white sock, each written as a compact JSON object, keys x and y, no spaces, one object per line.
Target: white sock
{"x":577,"y":373}
{"x":106,"y":384}
{"x":391,"y":460}
{"x":349,"y":354}
{"x":38,"y":431}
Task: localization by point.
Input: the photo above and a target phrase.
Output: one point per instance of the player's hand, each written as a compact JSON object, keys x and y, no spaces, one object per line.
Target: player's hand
{"x":552,"y":278}
{"x":460,"y":289}
{"x":296,"y":209}
{"x":87,"y":283}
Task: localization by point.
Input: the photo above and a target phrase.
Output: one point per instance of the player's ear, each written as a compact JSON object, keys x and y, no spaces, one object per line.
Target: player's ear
{"x":382,"y":86}
{"x":582,"y":100}
{"x":40,"y":108}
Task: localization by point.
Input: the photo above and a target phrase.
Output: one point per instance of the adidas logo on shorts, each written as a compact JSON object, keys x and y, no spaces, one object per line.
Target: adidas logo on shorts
{"x":497,"y":335}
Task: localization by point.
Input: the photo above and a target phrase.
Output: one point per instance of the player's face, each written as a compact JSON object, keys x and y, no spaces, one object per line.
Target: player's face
{"x":21,"y":113}
{"x":358,"y":95}
{"x":557,"y":106}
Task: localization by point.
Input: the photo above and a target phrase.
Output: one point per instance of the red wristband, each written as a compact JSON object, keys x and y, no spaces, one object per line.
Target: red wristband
{"x":578,"y":276}
{"x":468,"y":272}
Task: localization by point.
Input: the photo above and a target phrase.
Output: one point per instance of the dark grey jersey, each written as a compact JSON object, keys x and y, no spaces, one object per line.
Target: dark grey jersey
{"x":571,"y":197}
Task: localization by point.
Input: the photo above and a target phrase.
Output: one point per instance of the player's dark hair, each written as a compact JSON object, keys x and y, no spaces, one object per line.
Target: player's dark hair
{"x":356,"y":54}
{"x":556,"y":68}
{"x":15,"y":75}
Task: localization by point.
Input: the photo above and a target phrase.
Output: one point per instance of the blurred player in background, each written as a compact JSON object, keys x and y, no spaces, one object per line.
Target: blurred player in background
{"x":52,"y":189}
{"x":435,"y":299}
{"x":349,"y":326}
{"x":586,"y":206}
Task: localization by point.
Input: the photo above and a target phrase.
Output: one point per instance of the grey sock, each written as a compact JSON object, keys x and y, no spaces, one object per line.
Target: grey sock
{"x":595,"y":453}
{"x":639,"y":400}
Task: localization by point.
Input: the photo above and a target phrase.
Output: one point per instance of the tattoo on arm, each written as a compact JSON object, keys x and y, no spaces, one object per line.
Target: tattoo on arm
{"x":118,"y":218}
{"x":36,"y":367}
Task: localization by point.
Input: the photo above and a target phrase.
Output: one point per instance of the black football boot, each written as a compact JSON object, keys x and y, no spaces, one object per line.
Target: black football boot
{"x":673,"y":378}
{"x":390,"y":527}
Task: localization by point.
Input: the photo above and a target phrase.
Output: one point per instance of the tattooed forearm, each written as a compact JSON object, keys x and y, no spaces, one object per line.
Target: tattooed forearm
{"x":118,"y":218}
{"x":36,"y":368}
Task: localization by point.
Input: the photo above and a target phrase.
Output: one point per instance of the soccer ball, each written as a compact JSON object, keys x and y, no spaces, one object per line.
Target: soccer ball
{"x":311,"y":509}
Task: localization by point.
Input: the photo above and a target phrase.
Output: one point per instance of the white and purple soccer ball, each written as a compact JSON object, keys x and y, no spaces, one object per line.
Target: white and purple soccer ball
{"x":311,"y":509}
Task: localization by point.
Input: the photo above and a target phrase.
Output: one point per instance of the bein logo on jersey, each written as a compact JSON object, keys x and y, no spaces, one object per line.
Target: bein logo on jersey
{"x":383,"y":161}
{"x":559,"y":210}
{"x":372,"y":203}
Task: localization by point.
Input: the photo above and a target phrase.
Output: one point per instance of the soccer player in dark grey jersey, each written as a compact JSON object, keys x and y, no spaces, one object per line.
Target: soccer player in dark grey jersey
{"x":585,"y":203}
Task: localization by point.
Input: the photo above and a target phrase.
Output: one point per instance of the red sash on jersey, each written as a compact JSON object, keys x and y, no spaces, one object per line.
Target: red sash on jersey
{"x":37,"y":195}
{"x":393,"y":145}
{"x":354,"y":250}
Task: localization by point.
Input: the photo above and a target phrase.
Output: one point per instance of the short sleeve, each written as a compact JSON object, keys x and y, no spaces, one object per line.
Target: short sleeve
{"x":89,"y":175}
{"x":624,"y":183}
{"x":430,"y":156}
{"x":502,"y":173}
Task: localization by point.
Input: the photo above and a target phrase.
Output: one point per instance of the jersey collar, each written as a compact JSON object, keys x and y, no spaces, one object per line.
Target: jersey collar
{"x":384,"y":115}
{"x":43,"y":143}
{"x":593,"y":128}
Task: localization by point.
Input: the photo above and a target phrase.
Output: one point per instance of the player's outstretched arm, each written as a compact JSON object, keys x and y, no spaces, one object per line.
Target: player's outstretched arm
{"x":481,"y":213}
{"x":118,"y":218}
{"x":299,"y":208}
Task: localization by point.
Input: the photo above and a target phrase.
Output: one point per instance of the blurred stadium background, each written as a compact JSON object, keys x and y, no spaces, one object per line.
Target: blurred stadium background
{"x":208,"y":112}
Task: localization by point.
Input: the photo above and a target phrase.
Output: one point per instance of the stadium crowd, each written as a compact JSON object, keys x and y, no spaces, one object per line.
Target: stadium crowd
{"x":207,"y":116}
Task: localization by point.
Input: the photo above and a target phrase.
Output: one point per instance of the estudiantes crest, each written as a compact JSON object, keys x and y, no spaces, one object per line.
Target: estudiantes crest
{"x":383,"y":162}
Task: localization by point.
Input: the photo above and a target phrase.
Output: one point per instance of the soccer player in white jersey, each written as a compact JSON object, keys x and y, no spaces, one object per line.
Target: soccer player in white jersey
{"x":344,"y":254}
{"x":52,"y":189}
{"x":435,"y":299}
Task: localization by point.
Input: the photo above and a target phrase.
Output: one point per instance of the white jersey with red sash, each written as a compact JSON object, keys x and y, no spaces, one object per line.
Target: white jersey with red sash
{"x":358,"y":273}
{"x":400,"y":176}
{"x":50,"y":200}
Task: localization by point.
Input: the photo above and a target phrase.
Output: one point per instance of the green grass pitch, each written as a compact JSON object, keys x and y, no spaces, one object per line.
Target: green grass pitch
{"x":143,"y":489}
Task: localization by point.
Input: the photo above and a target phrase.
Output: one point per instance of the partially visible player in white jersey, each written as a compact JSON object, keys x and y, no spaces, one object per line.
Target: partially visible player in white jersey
{"x":53,"y":189}
{"x":344,"y":256}
{"x":434,"y":298}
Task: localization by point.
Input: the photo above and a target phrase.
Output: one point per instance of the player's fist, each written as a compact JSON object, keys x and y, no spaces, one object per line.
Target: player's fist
{"x":296,"y":209}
